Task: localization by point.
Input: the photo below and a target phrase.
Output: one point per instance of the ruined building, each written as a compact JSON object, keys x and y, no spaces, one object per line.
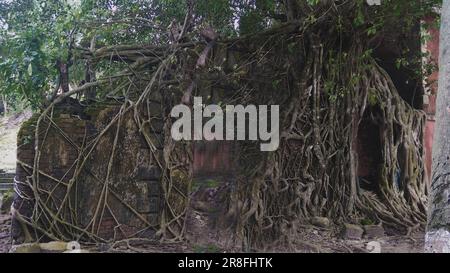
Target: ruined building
{"x":351,"y":147}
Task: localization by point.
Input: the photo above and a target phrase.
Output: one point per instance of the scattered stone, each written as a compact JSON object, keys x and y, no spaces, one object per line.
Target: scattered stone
{"x":373,"y":247}
{"x":373,"y":231}
{"x":103,"y":247}
{"x":50,"y":247}
{"x":26,"y":248}
{"x":322,"y":222}
{"x":352,"y":232}
{"x":55,"y":246}
{"x":437,"y":241}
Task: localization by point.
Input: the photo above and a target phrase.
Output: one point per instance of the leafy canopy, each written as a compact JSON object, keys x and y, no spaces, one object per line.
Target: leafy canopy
{"x":37,"y":35}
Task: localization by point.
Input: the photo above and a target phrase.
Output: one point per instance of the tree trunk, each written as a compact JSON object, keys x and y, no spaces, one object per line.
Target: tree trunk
{"x":64,"y":76}
{"x":90,"y":77}
{"x":5,"y":105}
{"x":90,"y":73}
{"x":437,"y":238}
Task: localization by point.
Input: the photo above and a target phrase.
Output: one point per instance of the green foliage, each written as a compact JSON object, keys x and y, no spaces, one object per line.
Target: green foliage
{"x":313,"y":2}
{"x":366,"y":222}
{"x":36,"y":34}
{"x":372,"y":98}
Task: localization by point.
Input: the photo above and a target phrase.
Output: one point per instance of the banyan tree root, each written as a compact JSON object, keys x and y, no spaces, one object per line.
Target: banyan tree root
{"x":324,"y":88}
{"x":314,"y":171}
{"x":48,"y":210}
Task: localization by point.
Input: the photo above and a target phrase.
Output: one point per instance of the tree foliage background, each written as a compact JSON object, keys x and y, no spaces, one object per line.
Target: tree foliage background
{"x":37,"y":36}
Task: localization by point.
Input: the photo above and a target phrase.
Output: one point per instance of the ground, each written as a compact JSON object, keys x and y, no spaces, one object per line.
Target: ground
{"x":314,"y":241}
{"x":201,"y":237}
{"x":310,"y":238}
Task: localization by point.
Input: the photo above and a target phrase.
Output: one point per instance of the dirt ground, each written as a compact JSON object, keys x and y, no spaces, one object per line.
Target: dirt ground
{"x":203,"y":237}
{"x":309,"y":238}
{"x":200,"y":239}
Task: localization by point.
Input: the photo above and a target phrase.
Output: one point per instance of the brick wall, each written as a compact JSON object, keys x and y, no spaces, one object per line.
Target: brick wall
{"x":133,"y":184}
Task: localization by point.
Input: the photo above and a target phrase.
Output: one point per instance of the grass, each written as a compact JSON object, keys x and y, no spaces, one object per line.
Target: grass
{"x":207,"y":183}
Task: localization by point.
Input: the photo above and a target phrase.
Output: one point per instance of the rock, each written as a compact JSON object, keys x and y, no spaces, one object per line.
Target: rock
{"x":77,"y":251}
{"x":59,"y":246}
{"x":437,"y":241}
{"x":322,"y":222}
{"x":373,"y":231}
{"x":103,"y":247}
{"x":55,"y":246}
{"x":50,"y":247}
{"x":373,"y":247}
{"x":201,"y":206}
{"x":6,"y":203}
{"x":352,"y":232}
{"x":26,"y":248}
{"x":74,"y":245}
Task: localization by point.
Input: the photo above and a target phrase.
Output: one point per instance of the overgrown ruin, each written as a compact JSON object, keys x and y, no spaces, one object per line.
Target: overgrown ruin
{"x":133,"y":193}
{"x":351,"y":146}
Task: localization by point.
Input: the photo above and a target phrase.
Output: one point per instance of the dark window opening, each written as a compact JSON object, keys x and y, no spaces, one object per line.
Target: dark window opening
{"x":369,"y":153}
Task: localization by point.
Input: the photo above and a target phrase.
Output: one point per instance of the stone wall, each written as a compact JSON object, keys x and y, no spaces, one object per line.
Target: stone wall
{"x":212,"y":159}
{"x":134,"y":199}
